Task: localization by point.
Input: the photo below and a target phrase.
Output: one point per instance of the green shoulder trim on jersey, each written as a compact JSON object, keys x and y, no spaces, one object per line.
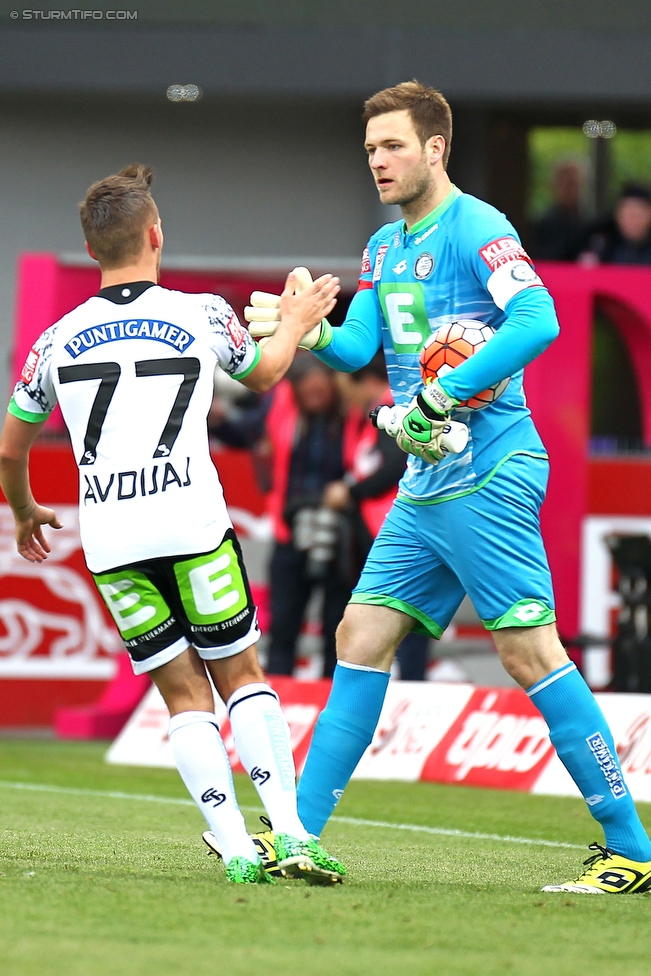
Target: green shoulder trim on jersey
{"x":249,"y":369}
{"x":524,"y":613}
{"x":482,"y":484}
{"x":438,"y":212}
{"x":422,"y":623}
{"x":31,"y":418}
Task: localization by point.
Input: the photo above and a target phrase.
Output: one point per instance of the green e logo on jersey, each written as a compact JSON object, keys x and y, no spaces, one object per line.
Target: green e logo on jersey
{"x":404,"y":311}
{"x":211,"y":586}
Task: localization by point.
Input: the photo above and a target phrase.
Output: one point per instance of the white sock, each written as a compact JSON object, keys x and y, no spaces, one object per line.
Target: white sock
{"x":203,"y":765}
{"x":261,"y":737}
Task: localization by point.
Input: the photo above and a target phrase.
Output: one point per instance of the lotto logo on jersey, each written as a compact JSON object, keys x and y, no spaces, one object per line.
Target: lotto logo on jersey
{"x":29,"y":368}
{"x":366,"y":262}
{"x":379,"y":261}
{"x":501,"y":251}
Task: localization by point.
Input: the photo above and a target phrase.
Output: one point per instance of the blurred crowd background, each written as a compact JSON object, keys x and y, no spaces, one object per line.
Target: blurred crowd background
{"x":250,"y":114}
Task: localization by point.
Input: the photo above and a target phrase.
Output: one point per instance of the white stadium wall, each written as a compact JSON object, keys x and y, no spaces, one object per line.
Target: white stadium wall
{"x":238,"y":179}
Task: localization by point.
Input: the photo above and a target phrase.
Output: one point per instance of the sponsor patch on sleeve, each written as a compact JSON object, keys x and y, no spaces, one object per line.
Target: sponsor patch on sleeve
{"x":236,"y":331}
{"x":502,"y":250}
{"x":366,"y":262}
{"x":29,"y":368}
{"x":379,"y":261}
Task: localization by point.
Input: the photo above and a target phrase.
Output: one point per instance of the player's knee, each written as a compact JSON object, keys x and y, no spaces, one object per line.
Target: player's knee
{"x":518,"y":669}
{"x":231,"y":673}
{"x":359,"y":643}
{"x":187,"y":695}
{"x":529,"y":654}
{"x":344,"y":637}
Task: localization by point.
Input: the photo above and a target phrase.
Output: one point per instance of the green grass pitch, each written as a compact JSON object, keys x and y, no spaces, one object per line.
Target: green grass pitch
{"x":99,"y":885}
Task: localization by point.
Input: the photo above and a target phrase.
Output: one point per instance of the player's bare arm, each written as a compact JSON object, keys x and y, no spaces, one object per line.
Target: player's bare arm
{"x":15,"y":442}
{"x":300,"y":312}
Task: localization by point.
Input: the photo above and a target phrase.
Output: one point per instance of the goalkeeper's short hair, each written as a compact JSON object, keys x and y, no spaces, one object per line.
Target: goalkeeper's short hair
{"x":430,"y":113}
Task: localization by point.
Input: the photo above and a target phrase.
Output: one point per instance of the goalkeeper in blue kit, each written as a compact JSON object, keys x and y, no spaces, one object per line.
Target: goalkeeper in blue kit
{"x":468,"y":522}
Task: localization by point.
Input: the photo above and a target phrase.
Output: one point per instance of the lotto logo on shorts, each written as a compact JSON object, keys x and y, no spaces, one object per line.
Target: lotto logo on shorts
{"x":502,"y":251}
{"x":29,"y":368}
{"x":530,"y":611}
{"x":609,"y":766}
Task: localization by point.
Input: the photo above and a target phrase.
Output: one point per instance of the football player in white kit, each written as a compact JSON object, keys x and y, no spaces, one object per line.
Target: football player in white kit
{"x":132,"y":370}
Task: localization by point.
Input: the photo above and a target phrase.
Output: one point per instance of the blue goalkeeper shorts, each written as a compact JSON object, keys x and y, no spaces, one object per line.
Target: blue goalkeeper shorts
{"x":486,"y":544}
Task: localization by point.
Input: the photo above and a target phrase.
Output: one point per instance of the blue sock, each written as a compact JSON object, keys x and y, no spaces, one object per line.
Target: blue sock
{"x":585,"y":746}
{"x":342,"y":734}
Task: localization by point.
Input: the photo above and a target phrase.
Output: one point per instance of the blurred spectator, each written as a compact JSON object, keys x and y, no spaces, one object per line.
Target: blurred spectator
{"x":626,"y":237}
{"x":374,"y":465}
{"x":305,"y":427}
{"x":296,"y":434}
{"x":561,"y":232}
{"x":237,"y":419}
{"x":331,"y":478}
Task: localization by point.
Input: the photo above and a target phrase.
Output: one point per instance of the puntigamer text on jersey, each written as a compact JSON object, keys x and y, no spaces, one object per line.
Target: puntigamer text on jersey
{"x":172,"y":335}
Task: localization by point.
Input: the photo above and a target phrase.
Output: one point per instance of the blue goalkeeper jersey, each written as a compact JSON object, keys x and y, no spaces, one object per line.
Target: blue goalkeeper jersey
{"x":463,"y":261}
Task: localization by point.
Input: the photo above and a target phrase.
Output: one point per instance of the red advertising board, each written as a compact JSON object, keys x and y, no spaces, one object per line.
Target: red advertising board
{"x":57,"y":642}
{"x":499,"y":740}
{"x":444,"y":733}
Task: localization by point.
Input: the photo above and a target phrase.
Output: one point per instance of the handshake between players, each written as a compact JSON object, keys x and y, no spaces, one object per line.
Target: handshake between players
{"x":421,"y":428}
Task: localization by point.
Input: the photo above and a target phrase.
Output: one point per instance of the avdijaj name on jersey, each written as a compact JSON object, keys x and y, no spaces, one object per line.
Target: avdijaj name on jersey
{"x":165,"y":332}
{"x":128,"y":484}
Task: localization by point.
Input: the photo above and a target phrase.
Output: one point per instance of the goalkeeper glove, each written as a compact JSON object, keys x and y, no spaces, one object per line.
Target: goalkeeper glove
{"x":263,"y":315}
{"x":434,"y":398}
{"x":427,"y":445}
{"x":419,"y":427}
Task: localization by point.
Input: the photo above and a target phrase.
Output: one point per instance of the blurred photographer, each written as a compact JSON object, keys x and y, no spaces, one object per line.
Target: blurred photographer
{"x":305,"y":430}
{"x":374,"y":465}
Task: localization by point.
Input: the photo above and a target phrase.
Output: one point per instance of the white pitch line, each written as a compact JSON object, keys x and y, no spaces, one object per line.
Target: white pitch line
{"x":352,"y":821}
{"x":449,"y":832}
{"x":112,"y":795}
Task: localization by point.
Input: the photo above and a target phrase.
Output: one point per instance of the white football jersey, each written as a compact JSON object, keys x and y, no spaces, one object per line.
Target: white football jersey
{"x":134,"y":381}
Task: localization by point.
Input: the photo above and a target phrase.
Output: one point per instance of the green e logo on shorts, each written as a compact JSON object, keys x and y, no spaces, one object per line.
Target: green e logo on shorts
{"x":133,"y":601}
{"x":211,"y":587}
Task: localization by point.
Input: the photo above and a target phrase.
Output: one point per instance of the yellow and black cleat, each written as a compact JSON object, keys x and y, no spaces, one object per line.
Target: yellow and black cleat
{"x":264,"y":842}
{"x":608,"y":873}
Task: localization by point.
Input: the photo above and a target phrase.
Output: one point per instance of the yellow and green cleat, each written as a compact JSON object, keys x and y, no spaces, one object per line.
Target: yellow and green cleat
{"x":608,"y":873}
{"x":284,"y":856}
{"x":306,"y":859}
{"x":242,"y":871}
